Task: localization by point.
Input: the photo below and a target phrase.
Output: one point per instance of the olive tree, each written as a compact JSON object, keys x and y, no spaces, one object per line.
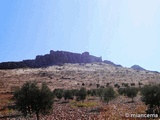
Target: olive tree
{"x":81,"y":94}
{"x":122,"y":91}
{"x":131,"y":92}
{"x":108,"y":94}
{"x":151,"y":97}
{"x":58,"y":93}
{"x":68,"y":94}
{"x":31,"y":99}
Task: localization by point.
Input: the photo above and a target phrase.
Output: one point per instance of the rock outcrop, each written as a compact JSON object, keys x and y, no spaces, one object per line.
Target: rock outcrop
{"x":54,"y":58}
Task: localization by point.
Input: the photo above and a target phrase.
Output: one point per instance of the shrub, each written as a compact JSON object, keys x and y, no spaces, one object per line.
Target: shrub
{"x":126,"y":85}
{"x":98,"y":85}
{"x":107,"y":84}
{"x":90,"y":84}
{"x":132,"y":84}
{"x":140,"y":84}
{"x":116,"y":85}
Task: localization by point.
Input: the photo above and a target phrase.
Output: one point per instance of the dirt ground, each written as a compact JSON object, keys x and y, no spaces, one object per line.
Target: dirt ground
{"x":115,"y":110}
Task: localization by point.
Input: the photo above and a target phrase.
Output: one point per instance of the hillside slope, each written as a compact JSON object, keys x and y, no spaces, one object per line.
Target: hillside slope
{"x":73,"y":75}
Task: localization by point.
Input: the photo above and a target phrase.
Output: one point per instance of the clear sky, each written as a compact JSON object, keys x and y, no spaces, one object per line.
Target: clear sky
{"x":126,"y":32}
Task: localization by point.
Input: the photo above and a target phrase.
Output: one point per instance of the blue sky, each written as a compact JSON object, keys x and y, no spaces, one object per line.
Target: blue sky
{"x":123,"y":31}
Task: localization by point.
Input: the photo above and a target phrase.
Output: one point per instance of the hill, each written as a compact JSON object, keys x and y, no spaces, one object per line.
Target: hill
{"x":137,"y":67}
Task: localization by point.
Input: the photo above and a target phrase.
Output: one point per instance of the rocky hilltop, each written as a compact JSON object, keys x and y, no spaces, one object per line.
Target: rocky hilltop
{"x":53,"y":58}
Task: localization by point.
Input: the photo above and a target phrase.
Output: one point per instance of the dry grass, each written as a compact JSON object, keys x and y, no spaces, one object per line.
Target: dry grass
{"x":75,"y":104}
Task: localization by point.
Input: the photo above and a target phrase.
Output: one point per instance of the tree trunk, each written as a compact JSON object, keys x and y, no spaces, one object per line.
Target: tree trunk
{"x":132,"y":100}
{"x":37,"y":115}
